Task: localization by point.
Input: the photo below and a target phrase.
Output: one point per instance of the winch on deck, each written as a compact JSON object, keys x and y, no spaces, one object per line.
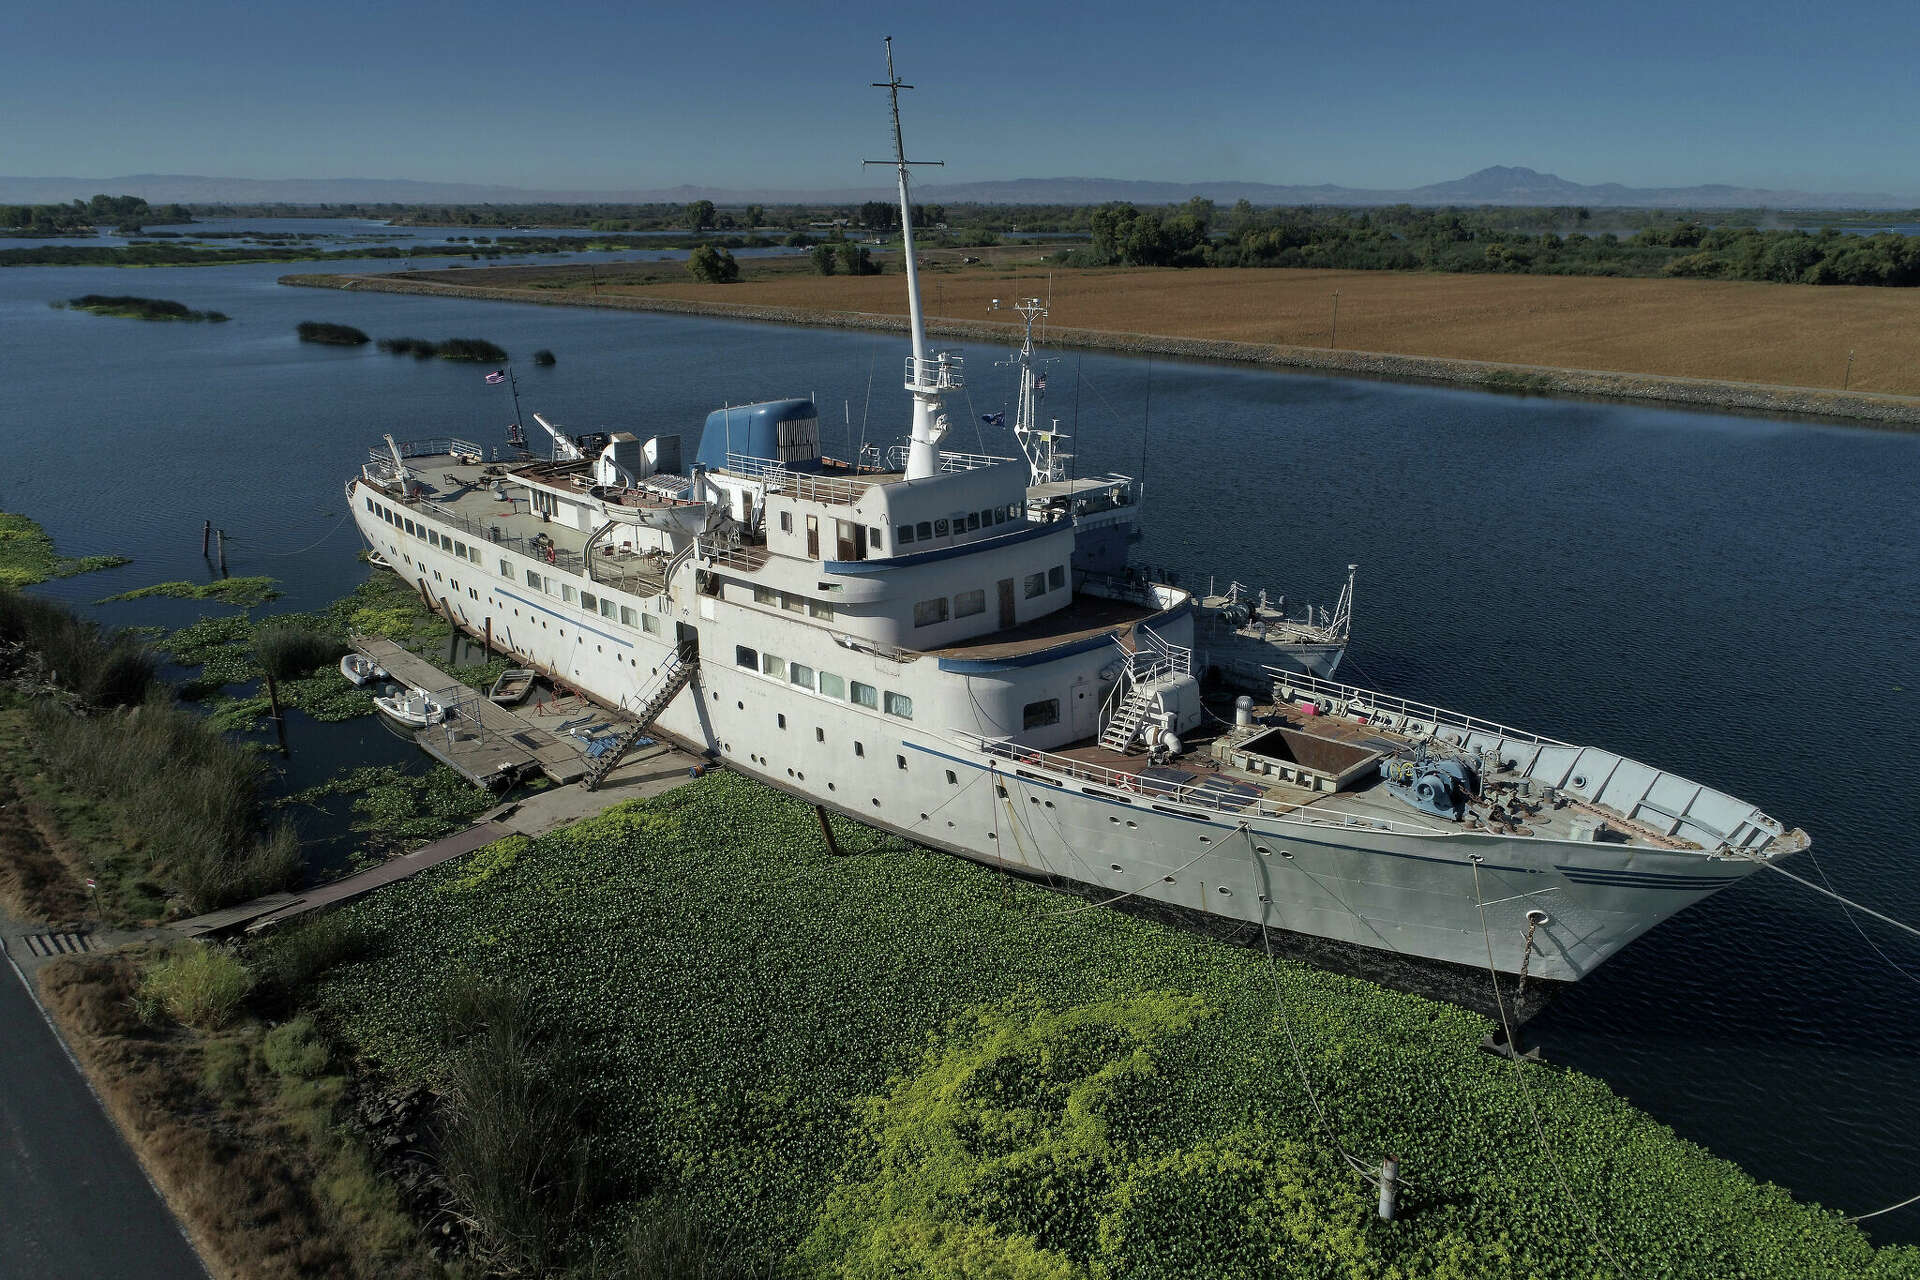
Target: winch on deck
{"x":1439,"y":785}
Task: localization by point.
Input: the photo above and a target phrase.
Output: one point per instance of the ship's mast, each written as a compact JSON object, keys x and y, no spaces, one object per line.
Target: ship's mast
{"x":1045,"y":462}
{"x":926,"y":379}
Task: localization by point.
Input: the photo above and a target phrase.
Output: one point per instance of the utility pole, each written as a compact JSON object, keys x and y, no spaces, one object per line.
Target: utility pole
{"x":1334,"y":336}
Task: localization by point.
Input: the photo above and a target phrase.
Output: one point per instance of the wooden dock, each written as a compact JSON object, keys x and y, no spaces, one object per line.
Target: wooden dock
{"x":481,"y":741}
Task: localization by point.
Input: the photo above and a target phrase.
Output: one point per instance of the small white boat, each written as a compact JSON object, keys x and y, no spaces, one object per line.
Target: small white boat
{"x":415,"y":707}
{"x":513,"y":686}
{"x":359,"y":668}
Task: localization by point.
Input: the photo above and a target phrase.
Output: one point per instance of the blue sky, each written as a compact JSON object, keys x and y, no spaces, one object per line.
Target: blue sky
{"x":609,"y":96}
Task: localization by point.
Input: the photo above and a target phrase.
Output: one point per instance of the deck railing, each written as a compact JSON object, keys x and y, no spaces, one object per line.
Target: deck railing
{"x":1375,"y":707}
{"x":1192,"y":795}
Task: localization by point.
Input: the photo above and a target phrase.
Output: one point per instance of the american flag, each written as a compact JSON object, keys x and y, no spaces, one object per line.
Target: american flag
{"x":497,"y":376}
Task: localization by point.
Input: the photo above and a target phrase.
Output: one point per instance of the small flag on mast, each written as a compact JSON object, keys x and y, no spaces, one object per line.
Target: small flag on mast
{"x":497,"y":375}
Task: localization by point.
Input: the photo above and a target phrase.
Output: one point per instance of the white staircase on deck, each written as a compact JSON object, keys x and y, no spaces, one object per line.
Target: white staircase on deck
{"x":1153,"y":660}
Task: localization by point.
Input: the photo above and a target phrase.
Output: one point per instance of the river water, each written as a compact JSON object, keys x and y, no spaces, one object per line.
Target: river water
{"x":1730,"y":597}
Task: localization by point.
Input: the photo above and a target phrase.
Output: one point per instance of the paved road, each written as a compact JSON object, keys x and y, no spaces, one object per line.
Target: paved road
{"x":74,"y":1204}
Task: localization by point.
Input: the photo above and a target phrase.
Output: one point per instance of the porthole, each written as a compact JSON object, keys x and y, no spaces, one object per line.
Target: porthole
{"x":1168,"y":879}
{"x":831,"y":787}
{"x":801,"y":776}
{"x":740,"y":705}
{"x":1262,"y":849}
{"x":1047,"y":803}
{"x":993,"y":835}
{"x":953,"y":779}
{"x":1579,"y":779}
{"x":1132,"y":825}
{"x":1206,"y":839}
{"x":876,"y":802}
{"x":1115,"y":821}
{"x":789,"y":771}
{"x":1115,"y":866}
{"x":1225,"y":890}
{"x":1286,"y":853}
{"x":1265,"y":898}
{"x":819,"y":734}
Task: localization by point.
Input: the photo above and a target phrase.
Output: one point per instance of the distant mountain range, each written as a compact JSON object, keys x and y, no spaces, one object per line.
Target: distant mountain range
{"x":1500,"y":185}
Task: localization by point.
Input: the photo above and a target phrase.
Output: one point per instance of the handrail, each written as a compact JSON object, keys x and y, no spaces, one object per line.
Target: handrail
{"x":432,"y":447}
{"x":1381,"y":704}
{"x":1189,"y":794}
{"x":805,"y":485}
{"x":942,"y":371}
{"x":950,"y":460}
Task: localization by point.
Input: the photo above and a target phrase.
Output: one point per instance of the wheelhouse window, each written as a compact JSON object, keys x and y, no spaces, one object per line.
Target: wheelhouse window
{"x":973,"y":521}
{"x":627,"y":616}
{"x":766,"y":595}
{"x":1056,"y":577}
{"x":1038,"y":715}
{"x":820,"y":609}
{"x":865,"y":695}
{"x":923,"y":530}
{"x":506,"y":570}
{"x":589,"y":601}
{"x":875,"y":538}
{"x":792,"y":603}
{"x":928,"y":612}
{"x":566,"y":593}
{"x":832,"y":685}
{"x":800,"y":674}
{"x":745,"y":657}
{"x":786,"y":522}
{"x":649,"y":623}
{"x":772,"y":666}
{"x":533,"y":579}
{"x":899,"y":704}
{"x":968,"y":603}
{"x":1036,"y":585}
{"x":903,"y":535}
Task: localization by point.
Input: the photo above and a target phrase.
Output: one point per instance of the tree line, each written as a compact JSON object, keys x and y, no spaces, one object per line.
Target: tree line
{"x":1405,"y":238}
{"x":80,"y":217}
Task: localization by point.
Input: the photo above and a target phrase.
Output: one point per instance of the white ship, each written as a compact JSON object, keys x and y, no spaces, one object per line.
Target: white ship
{"x":917,"y":649}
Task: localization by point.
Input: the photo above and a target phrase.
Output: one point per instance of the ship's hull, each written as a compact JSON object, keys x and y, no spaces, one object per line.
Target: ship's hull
{"x":1445,"y":896}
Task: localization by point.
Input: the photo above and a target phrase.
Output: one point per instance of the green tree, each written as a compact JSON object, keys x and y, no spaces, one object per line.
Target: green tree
{"x":824,"y":260}
{"x":700,"y":214}
{"x":878,"y":215}
{"x":756,"y":214}
{"x":711,"y":265}
{"x":856,"y":260}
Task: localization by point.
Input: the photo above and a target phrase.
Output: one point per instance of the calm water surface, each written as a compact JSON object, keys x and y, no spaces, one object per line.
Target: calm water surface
{"x":1733,"y":598}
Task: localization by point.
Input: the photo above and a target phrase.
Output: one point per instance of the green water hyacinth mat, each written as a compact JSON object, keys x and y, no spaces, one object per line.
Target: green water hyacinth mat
{"x":899,"y":1063}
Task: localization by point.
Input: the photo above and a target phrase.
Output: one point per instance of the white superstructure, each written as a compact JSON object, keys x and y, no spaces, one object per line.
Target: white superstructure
{"x":917,"y":650}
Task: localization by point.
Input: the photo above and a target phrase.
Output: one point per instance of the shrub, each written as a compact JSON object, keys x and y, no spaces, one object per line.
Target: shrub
{"x":713,"y":266}
{"x":296,"y":1049}
{"x":189,"y":797}
{"x":223,"y":1067}
{"x":100,"y":668}
{"x":293,"y":957}
{"x":825,"y":261}
{"x":513,"y":1139}
{"x":339,"y":335}
{"x":195,"y":984}
{"x":543,"y":357}
{"x":471,"y":349}
{"x":287,"y":651}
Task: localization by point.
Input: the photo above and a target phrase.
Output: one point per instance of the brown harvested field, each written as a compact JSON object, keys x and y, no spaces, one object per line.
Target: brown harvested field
{"x":1790,"y":335}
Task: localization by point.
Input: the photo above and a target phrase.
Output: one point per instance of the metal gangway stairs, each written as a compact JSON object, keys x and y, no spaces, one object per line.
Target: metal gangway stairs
{"x":1134,"y":698}
{"x":674,"y":676}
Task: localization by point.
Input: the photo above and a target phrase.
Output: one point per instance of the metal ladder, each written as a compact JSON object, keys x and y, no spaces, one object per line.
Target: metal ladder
{"x":1124,"y":728}
{"x":1153,"y":659}
{"x":679,"y":670}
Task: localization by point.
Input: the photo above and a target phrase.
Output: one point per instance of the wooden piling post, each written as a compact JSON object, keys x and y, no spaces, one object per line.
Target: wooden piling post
{"x":1389,"y":1187}
{"x":279,"y":720}
{"x":486,"y":639}
{"x":206,"y":538}
{"x":826,"y":830}
{"x":220,"y":536}
{"x":453,"y":635}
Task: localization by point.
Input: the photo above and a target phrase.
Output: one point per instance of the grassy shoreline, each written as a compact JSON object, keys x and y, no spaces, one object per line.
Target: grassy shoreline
{"x":863,"y":305}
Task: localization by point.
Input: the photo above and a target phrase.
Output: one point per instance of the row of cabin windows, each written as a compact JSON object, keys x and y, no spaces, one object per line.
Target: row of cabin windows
{"x":826,"y":683}
{"x":927,"y":613}
{"x":792,"y":603}
{"x":420,"y":530}
{"x":611,"y":610}
{"x":958,"y":522}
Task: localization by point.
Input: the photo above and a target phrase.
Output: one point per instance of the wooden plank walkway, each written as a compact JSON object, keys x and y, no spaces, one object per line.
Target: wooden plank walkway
{"x":480,"y":740}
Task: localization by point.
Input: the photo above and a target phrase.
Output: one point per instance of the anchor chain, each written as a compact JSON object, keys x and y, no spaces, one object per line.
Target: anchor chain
{"x":1535,"y":919}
